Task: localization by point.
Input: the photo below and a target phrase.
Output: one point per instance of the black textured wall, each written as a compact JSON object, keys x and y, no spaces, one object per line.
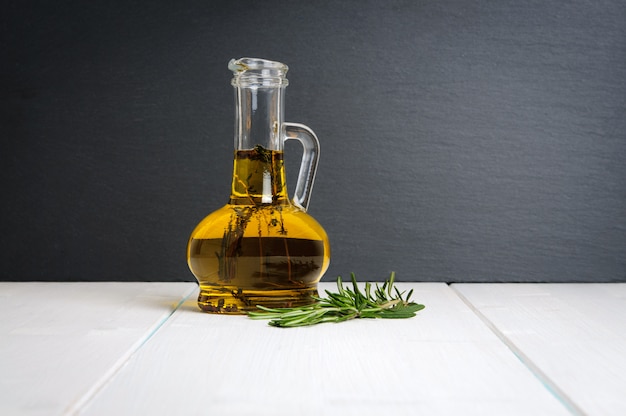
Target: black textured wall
{"x":461,"y":140}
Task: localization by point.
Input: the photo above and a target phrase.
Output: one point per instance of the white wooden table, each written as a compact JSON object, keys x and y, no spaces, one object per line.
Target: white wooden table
{"x":477,"y":349}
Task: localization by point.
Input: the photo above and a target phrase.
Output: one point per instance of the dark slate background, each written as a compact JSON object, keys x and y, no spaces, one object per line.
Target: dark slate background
{"x":461,"y":140}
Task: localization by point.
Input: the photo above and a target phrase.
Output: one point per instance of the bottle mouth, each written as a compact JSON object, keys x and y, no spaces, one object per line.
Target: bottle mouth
{"x":250,"y":72}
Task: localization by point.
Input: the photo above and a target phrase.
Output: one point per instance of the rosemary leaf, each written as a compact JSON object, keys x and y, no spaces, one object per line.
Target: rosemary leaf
{"x":386,"y":302}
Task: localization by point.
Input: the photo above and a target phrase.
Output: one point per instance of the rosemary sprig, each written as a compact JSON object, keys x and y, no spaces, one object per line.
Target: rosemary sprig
{"x":384,"y":301}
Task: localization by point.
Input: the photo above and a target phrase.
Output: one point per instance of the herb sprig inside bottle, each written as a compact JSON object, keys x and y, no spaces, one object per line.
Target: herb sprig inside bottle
{"x":384,"y":301}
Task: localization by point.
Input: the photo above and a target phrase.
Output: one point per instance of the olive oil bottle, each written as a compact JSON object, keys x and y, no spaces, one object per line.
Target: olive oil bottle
{"x":262,"y":248}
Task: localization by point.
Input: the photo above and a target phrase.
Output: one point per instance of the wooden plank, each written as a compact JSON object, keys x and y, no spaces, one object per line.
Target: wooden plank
{"x":60,"y":342}
{"x":445,"y":361}
{"x":571,"y":335}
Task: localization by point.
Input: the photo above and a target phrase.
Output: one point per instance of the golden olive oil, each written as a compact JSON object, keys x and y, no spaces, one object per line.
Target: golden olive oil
{"x":259,"y":249}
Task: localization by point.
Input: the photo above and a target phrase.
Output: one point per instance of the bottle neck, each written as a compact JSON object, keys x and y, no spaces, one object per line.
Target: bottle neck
{"x":258,"y":171}
{"x":258,"y":178}
{"x":259,"y":116}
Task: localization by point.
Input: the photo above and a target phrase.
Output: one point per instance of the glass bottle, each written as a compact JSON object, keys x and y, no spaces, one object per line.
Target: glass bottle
{"x":261,"y":248}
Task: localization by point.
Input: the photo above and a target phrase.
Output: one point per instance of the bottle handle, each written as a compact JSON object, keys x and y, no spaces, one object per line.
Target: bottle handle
{"x":308,"y":166}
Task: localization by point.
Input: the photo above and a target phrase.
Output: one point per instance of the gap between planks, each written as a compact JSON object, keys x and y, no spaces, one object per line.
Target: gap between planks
{"x":550,"y":385}
{"x":79,"y":405}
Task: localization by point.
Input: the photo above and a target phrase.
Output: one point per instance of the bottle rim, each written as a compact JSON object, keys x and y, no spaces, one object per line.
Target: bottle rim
{"x":250,"y":72}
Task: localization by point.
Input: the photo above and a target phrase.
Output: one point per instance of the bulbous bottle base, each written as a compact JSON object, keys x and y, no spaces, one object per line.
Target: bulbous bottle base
{"x":226,"y":299}
{"x":269,"y":255}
